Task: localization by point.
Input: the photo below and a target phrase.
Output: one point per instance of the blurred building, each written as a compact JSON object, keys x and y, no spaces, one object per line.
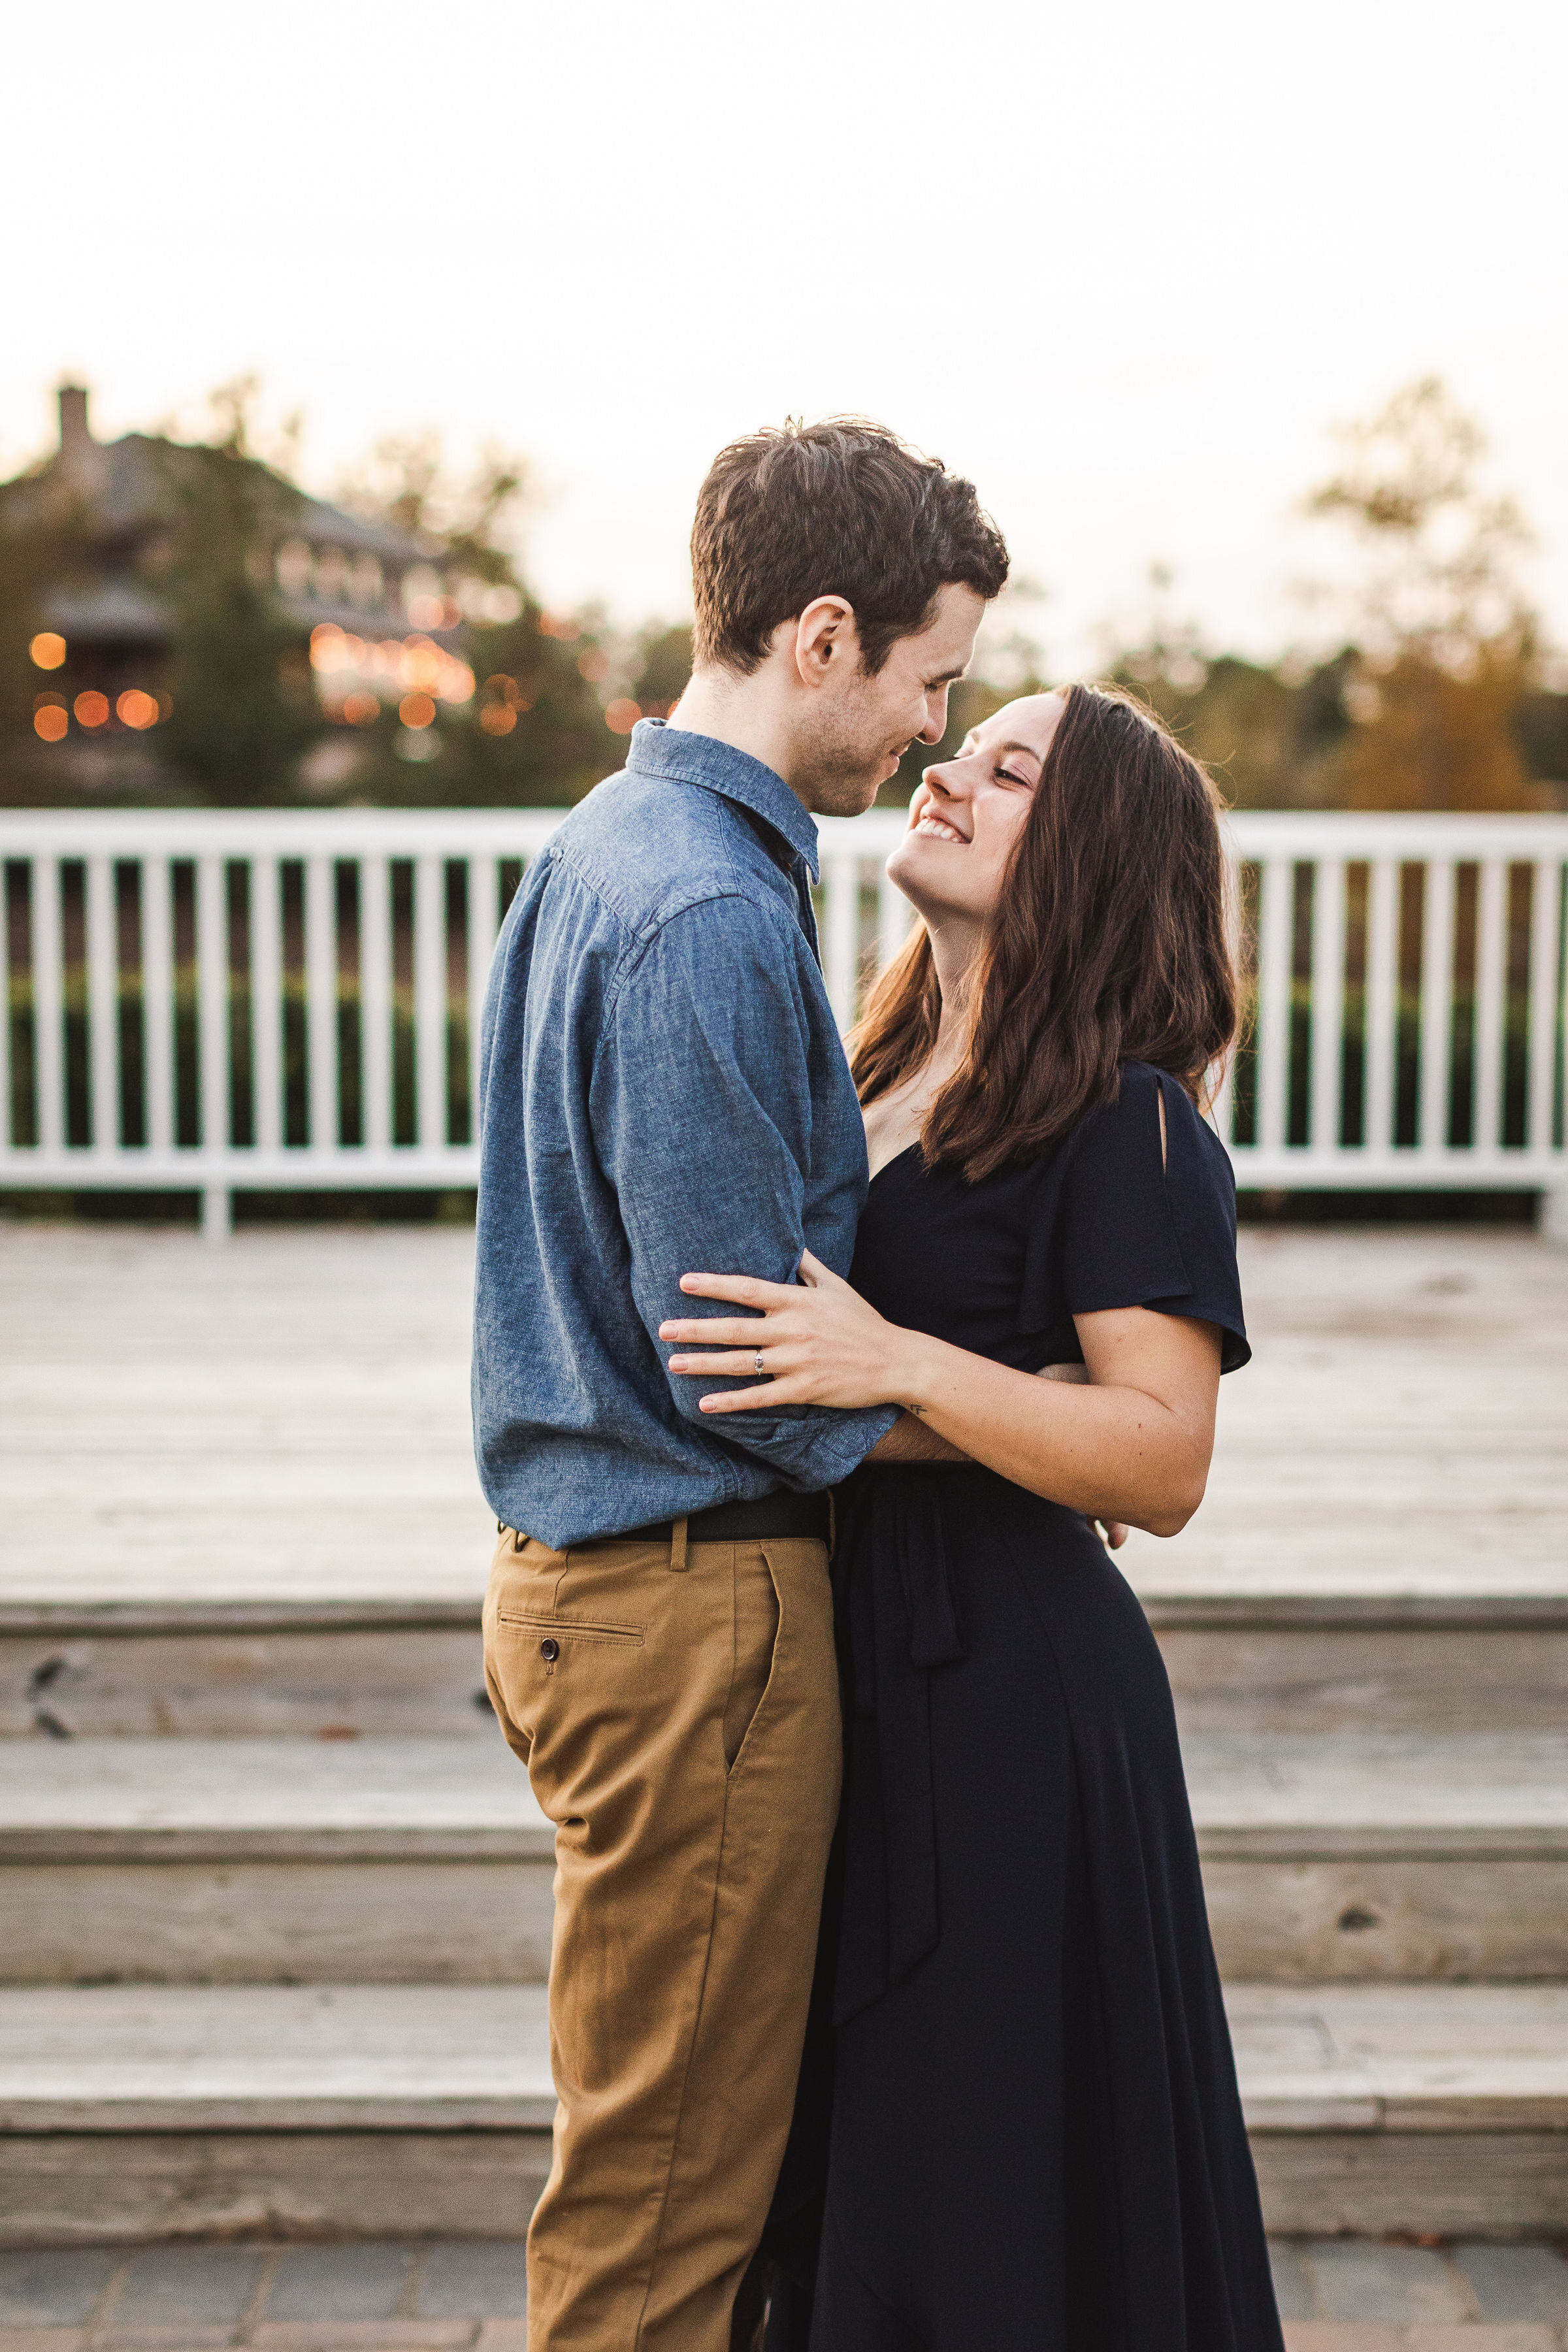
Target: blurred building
{"x":366,"y":604}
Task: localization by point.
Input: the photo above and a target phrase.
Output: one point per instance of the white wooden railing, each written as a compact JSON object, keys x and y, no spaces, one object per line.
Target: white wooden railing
{"x":279,"y":1000}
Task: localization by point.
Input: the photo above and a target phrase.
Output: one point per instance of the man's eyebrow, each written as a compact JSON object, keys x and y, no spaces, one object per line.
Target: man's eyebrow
{"x":948,"y":676}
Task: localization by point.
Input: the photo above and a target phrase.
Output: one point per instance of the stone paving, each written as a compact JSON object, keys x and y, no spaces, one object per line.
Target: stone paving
{"x":1335,"y":2295}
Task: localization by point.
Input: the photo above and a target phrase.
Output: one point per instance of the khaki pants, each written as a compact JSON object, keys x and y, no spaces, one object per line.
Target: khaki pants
{"x":677,"y":1711}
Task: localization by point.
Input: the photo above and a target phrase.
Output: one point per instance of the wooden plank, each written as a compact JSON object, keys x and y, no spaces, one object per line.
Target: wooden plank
{"x":340,"y":2057}
{"x":194,"y":1799}
{"x":85,"y":2188}
{"x":431,"y":1920}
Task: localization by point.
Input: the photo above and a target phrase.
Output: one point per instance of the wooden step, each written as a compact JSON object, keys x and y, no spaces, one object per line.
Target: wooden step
{"x":181,"y":2110}
{"x":245,"y":1860}
{"x":396,"y":1861}
{"x":1361,"y":1856}
{"x":139,"y":1667}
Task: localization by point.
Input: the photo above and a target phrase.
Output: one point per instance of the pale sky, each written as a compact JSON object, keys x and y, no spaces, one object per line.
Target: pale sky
{"x":1124,"y":264}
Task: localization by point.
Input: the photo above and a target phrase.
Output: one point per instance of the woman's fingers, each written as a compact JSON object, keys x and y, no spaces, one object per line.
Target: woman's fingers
{"x":767,"y":1399}
{"x":740,"y":1287}
{"x":732,"y":1366}
{"x":720,"y":1331}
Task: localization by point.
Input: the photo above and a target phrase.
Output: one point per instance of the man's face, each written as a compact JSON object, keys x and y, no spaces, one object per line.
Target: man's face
{"x":861,"y":727}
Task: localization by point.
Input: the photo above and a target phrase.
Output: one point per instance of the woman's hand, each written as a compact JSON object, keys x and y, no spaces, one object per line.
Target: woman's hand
{"x":819,"y":1342}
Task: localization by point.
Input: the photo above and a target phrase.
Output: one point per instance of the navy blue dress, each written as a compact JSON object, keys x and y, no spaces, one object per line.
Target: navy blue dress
{"x":1018,"y":2127}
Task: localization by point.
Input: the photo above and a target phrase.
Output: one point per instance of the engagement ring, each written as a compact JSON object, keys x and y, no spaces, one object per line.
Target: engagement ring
{"x":759,"y":1359}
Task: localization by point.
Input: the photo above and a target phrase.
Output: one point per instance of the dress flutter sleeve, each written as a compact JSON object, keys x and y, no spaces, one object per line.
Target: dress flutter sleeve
{"x":1129,"y":1230}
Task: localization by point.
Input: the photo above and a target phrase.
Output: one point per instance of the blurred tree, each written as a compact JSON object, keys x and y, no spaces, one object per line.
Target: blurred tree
{"x":535,"y":732}
{"x":1445,"y":639}
{"x":244,"y":704}
{"x":665,"y":659}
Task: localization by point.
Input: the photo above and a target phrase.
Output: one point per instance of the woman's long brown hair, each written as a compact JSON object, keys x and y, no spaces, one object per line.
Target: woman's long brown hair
{"x":1109,"y":944}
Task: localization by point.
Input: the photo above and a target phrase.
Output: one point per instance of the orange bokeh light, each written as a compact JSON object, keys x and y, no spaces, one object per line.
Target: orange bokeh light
{"x":416,"y":710}
{"x":48,"y":650}
{"x":622,"y":714}
{"x":51,"y":722}
{"x":360,"y":708}
{"x":91,"y":708}
{"x":594,"y":664}
{"x":497,"y":718}
{"x":137,"y":709}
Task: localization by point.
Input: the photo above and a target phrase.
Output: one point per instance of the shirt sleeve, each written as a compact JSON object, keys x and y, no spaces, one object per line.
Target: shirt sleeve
{"x":1131,"y":1230}
{"x":703,"y":1117}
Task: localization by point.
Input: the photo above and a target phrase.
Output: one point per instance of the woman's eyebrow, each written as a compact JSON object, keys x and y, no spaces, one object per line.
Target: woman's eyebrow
{"x":1027,"y":749}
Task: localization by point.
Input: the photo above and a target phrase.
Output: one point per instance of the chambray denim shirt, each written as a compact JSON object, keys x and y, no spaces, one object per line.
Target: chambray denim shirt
{"x":662,"y":1091}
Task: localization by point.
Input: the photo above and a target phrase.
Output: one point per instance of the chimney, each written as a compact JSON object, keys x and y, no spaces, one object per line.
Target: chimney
{"x":76,"y":435}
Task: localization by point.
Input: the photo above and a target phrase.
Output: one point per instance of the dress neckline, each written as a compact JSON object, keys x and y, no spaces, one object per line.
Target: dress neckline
{"x":893,"y":1162}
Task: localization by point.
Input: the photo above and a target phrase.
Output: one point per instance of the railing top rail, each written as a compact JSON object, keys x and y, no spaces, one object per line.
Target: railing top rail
{"x":522,"y":833}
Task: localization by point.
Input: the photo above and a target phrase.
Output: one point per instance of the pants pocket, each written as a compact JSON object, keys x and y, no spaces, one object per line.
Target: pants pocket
{"x":572,"y":1630}
{"x":758,"y":1614}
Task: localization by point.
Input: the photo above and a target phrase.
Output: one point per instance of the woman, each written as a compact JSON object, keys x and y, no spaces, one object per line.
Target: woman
{"x":1037,"y":2141}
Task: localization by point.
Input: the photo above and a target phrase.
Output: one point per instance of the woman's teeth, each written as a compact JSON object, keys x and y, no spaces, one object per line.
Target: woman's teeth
{"x":938,"y":830}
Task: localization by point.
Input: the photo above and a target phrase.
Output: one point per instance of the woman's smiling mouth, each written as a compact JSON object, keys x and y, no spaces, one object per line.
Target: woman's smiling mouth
{"x":938,"y":829}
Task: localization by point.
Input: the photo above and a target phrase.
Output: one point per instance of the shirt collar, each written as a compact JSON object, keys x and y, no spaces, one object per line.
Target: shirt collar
{"x":659,"y":749}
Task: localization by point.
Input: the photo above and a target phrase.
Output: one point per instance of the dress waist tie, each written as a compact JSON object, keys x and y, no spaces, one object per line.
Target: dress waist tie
{"x":896,"y":1607}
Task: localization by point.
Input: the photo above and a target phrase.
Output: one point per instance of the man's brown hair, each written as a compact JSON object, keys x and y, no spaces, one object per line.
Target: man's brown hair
{"x":1109,"y":943}
{"x":840,"y":508}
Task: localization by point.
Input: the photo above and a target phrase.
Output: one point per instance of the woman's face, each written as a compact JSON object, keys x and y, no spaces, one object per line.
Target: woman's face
{"x":968,"y":810}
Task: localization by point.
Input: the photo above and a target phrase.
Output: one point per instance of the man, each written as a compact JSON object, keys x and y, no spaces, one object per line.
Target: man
{"x":664,"y":1091}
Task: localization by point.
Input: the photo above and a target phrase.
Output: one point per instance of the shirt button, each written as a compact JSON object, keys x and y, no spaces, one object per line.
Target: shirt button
{"x":550,"y":1652}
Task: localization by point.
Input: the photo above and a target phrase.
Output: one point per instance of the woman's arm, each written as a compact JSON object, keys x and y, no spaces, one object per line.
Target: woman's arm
{"x":1134,"y":1445}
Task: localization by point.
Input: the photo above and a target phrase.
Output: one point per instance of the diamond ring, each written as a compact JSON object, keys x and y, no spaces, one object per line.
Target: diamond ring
{"x":759,"y":1359}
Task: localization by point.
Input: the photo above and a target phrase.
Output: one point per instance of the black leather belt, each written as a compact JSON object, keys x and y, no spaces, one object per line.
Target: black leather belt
{"x":778,"y":1515}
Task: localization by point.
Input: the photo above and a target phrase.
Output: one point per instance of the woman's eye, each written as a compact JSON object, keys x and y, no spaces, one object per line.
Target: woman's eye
{"x":1006,"y":776}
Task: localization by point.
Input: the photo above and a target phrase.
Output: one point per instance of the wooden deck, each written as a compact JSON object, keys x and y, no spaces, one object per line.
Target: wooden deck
{"x":286,"y":1419}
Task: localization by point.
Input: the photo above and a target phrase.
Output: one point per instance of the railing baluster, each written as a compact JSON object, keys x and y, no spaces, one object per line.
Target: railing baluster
{"x":267,"y":999}
{"x":1545,"y":888}
{"x":321,"y":1002}
{"x":375,"y":997}
{"x":1491,"y":1004}
{"x":842,"y":875}
{"x":430,"y":1004}
{"x":102,"y":1005}
{"x":1380,"y":1017}
{"x":158,"y":999}
{"x":49,"y":1003}
{"x":1328,"y":1002}
{"x":1436,"y":1004}
{"x":484,"y":921}
{"x":212,"y":1032}
{"x":1274,"y":958}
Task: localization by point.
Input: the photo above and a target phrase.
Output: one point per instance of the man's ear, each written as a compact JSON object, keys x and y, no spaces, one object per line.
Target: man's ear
{"x":826,"y":642}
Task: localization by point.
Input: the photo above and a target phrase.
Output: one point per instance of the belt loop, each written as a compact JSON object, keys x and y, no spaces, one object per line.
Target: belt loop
{"x":677,"y":1548}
